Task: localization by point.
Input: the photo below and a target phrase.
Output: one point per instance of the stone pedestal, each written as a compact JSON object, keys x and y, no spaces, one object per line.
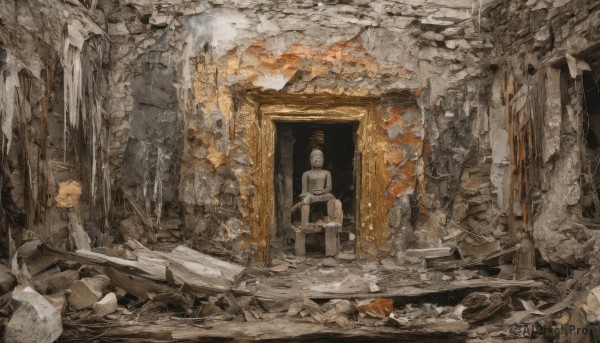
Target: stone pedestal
{"x":332,"y":239}
{"x":331,"y":226}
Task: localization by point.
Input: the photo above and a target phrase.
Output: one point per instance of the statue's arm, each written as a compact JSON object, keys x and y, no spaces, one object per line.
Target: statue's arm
{"x":304,"y":184}
{"x":327,"y":183}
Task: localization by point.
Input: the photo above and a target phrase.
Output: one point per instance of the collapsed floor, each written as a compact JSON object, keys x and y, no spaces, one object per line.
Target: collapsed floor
{"x":174,"y":293}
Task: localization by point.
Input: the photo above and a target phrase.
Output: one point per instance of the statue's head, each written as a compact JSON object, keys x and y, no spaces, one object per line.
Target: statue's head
{"x":316,"y":158}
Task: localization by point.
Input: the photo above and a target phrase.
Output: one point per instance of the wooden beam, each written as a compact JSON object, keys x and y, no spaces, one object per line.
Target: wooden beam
{"x":276,"y":330}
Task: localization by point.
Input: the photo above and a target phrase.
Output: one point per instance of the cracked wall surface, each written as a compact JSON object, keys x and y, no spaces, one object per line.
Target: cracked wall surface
{"x":147,"y":106}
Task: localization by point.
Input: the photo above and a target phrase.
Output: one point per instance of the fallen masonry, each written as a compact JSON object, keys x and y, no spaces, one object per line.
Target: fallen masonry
{"x":133,"y":293}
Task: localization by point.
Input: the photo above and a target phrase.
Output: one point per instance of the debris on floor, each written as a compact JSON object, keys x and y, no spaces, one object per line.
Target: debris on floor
{"x":123,"y":296}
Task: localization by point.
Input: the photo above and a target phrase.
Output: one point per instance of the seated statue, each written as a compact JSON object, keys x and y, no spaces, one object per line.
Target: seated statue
{"x":316,"y":187}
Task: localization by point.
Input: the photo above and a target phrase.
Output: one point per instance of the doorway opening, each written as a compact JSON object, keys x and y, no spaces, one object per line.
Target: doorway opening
{"x":294,"y":142}
{"x":591,"y":127}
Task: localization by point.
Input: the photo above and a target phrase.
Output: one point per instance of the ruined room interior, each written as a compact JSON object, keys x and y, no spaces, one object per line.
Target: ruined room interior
{"x":300,"y":171}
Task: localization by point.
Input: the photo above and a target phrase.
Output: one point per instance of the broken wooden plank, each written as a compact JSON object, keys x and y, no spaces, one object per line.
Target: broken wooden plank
{"x":569,"y":300}
{"x":309,"y":306}
{"x":201,"y":272}
{"x":81,"y":240}
{"x":498,"y":257}
{"x":92,"y":258}
{"x":274,"y":299}
{"x":69,"y":194}
{"x":230,"y":271}
{"x":446,"y":265}
{"x":478,"y":250}
{"x":197,"y":282}
{"x":276,"y":330}
{"x":479,"y":306}
{"x":152,"y":265}
{"x":430,"y":252}
{"x":135,"y":285}
{"x":151,"y":270}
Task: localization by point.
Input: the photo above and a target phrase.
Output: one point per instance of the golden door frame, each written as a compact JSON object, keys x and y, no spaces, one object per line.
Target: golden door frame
{"x":368,"y":219}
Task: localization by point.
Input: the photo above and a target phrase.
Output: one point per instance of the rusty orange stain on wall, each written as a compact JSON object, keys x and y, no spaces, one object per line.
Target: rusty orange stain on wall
{"x":406,"y":183}
{"x":410,"y":138}
{"x":394,"y":156}
{"x":351,"y":54}
{"x":395,"y":117}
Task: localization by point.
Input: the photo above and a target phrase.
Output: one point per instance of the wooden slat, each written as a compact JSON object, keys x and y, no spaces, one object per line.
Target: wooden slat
{"x":276,"y":298}
{"x":277,"y":330}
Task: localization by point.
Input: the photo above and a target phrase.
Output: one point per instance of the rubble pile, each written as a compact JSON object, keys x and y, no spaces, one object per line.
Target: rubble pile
{"x":174,"y":293}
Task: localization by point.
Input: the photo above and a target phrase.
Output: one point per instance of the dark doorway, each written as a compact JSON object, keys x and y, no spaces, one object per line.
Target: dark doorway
{"x":294,"y":142}
{"x":591,"y":127}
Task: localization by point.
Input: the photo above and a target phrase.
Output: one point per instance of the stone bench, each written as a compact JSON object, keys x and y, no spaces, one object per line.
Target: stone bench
{"x":332,"y":229}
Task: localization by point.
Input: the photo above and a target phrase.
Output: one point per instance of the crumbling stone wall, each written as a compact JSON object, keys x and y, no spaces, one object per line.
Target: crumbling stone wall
{"x":51,"y":88}
{"x":177,"y":72}
{"x":171,"y":155}
{"x":535,"y":78}
{"x":352,"y":50}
